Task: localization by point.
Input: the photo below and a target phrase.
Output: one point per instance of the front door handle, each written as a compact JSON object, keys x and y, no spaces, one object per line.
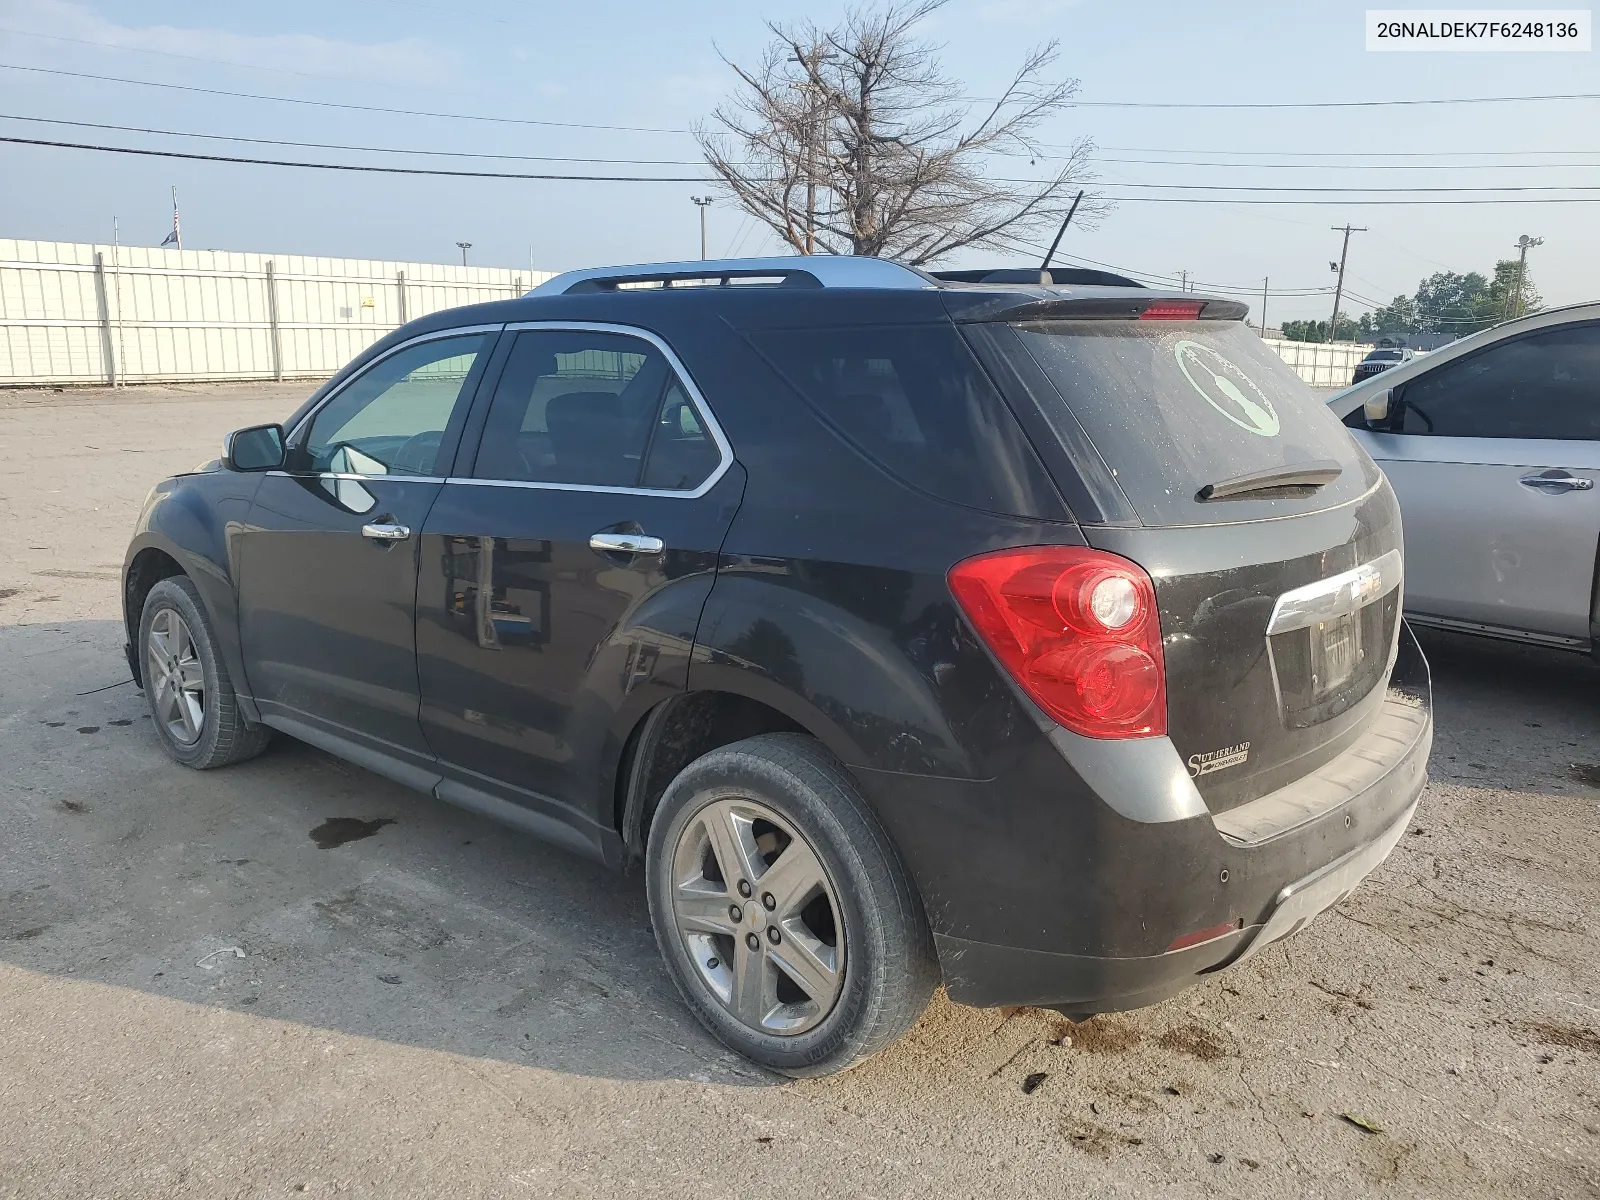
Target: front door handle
{"x":385,"y":531}
{"x":626,"y":543}
{"x":1554,"y":481}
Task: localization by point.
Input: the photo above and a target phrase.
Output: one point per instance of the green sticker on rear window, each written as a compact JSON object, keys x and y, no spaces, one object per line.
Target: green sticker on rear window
{"x":1226,"y":388}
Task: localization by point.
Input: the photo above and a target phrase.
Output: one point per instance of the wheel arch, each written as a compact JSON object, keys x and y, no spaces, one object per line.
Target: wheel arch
{"x":147,"y":566}
{"x":673,"y":734}
{"x":153,"y":557}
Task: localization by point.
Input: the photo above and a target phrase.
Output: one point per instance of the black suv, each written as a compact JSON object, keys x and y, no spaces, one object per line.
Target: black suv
{"x":1043,"y":639}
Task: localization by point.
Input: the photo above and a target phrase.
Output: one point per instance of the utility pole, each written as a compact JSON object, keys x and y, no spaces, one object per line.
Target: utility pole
{"x":1263,"y":306}
{"x":1338,"y":289}
{"x":1183,"y":281}
{"x":465,"y":246}
{"x":702,"y":203}
{"x":1524,"y":244}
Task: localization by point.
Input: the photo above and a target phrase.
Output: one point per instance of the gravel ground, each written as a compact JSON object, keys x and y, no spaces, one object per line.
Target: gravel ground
{"x":197,"y":999}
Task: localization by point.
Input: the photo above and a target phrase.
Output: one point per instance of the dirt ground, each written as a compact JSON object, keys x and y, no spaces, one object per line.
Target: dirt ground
{"x":198,"y":999}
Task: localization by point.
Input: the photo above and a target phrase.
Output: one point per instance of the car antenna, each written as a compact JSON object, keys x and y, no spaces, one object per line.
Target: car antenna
{"x":1044,"y":267}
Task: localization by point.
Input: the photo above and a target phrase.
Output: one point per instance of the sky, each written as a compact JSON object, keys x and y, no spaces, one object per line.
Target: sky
{"x":650,"y":71}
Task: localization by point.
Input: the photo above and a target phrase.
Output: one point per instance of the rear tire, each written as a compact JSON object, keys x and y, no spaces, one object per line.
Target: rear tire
{"x":832,"y":925}
{"x":192,"y":703}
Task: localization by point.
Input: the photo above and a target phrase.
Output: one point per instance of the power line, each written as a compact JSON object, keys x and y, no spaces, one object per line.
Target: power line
{"x":1191,"y":104}
{"x":1346,"y":201}
{"x":1271,"y":187}
{"x":272,"y":162}
{"x":1343,"y":153}
{"x":1035,"y":249}
{"x":223,"y":137}
{"x":678,"y":162}
{"x":403,"y":112}
{"x":1311,"y":166}
{"x":1130,"y":104}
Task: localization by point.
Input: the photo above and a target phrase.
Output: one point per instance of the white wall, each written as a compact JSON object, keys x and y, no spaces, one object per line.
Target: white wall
{"x":150,"y":314}
{"x":1321,"y":364}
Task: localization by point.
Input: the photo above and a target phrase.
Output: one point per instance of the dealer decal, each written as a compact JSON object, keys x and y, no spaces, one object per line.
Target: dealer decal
{"x":1226,"y":388}
{"x":1218,"y":760}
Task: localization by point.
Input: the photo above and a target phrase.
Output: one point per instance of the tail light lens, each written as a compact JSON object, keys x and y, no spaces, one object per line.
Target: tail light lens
{"x":1077,"y":629}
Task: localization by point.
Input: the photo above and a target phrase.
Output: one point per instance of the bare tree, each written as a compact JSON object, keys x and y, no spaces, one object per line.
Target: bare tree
{"x":852,"y":140}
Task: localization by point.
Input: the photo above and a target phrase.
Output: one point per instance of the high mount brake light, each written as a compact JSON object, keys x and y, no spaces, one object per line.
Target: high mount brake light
{"x":1172,"y":310}
{"x":1077,"y":629}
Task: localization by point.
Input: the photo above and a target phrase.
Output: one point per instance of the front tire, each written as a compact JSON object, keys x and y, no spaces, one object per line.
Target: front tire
{"x":784,"y":913}
{"x":192,"y":702}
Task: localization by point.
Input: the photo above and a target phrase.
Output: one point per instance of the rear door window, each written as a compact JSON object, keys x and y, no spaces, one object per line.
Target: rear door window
{"x":580,"y":407}
{"x":913,"y":399}
{"x":1174,"y":406}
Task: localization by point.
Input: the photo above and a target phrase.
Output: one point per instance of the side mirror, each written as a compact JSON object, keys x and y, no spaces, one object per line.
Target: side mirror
{"x":1378,"y":408}
{"x":256,"y":448}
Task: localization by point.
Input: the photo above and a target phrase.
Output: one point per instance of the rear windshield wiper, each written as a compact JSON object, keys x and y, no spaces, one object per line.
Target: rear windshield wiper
{"x":1302,"y":477}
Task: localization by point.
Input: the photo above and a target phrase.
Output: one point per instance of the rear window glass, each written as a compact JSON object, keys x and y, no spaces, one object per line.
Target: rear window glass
{"x":1174,"y":406}
{"x":914,"y":399}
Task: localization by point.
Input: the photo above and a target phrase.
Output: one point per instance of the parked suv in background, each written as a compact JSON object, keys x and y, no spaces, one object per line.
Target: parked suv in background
{"x":1043,"y":639}
{"x":1381,"y":360}
{"x":1493,"y":445}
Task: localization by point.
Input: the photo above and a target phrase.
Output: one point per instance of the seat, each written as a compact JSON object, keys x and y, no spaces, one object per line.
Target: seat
{"x":589,"y":439}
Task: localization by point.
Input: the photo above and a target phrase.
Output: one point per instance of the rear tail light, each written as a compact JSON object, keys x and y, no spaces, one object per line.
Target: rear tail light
{"x":1172,"y":310}
{"x":1077,"y":629}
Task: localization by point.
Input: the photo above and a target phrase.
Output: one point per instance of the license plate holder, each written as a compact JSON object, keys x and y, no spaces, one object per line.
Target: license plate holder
{"x":1335,"y":653}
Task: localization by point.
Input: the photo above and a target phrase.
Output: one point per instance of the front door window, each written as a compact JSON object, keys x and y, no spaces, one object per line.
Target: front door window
{"x":1543,"y":386}
{"x":392,"y":419}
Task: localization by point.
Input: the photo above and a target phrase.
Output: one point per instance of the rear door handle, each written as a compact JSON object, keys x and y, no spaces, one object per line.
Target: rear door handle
{"x":626,"y":543}
{"x":1557,"y":481}
{"x":385,"y":531}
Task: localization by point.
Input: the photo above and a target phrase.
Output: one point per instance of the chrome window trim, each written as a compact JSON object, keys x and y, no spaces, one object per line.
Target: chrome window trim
{"x":696,"y":397}
{"x":1338,"y":595}
{"x":360,"y":478}
{"x":289,"y":438}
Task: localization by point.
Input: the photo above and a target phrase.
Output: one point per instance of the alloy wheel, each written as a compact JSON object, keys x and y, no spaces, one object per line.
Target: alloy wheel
{"x":758,"y":916}
{"x":175,"y":678}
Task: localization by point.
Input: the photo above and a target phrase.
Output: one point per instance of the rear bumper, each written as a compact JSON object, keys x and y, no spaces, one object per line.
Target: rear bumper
{"x":1040,"y":893}
{"x":987,"y":975}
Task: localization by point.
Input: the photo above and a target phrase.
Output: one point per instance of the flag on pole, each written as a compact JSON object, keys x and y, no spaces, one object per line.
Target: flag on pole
{"x":175,"y":238}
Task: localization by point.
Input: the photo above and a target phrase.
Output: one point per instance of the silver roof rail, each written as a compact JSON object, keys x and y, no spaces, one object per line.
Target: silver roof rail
{"x":797,"y":270}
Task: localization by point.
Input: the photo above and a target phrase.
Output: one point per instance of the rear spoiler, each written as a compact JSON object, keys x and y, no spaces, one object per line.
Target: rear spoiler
{"x":1184,"y":306}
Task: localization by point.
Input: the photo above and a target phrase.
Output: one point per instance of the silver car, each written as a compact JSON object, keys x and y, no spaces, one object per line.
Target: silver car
{"x":1493,"y":446}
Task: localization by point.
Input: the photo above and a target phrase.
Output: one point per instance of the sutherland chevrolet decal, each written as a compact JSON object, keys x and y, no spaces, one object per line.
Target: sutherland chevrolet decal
{"x":1218,"y":760}
{"x":1226,"y":388}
